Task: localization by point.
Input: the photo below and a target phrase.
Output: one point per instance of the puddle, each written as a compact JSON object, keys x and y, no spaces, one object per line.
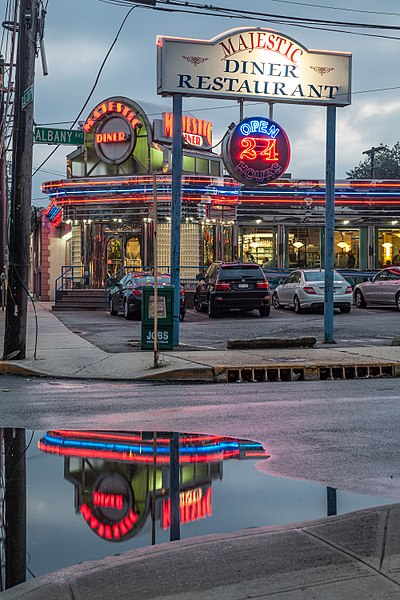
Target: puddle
{"x":92,"y":494}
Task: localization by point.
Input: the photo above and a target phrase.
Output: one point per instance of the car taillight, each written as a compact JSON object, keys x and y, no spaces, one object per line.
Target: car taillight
{"x":349,"y":290}
{"x":263,"y":285}
{"x":136,"y":292}
{"x":222,"y":287}
{"x":309,"y":289}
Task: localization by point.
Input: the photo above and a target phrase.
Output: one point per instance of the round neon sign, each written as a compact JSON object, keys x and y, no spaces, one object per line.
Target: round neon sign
{"x":256,"y":151}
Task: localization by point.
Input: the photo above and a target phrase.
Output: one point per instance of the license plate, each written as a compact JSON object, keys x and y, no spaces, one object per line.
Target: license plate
{"x":243,"y":285}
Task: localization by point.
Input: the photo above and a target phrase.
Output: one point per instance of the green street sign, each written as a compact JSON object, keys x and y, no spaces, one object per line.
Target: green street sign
{"x":73,"y":137}
{"x":27,"y":97}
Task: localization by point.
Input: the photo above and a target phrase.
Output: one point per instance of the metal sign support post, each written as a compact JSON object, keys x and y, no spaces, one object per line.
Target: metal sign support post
{"x":155,"y":272}
{"x":176,"y":208}
{"x":174,"y":487}
{"x":329,"y":224}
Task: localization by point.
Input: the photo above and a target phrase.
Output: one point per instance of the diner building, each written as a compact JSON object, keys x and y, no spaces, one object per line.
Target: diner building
{"x":100,"y":217}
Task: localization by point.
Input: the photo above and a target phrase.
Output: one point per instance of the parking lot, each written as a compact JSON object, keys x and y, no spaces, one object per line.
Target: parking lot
{"x":378,"y":326}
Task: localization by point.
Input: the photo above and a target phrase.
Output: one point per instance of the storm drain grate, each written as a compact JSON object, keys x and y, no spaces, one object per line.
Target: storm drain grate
{"x":315,"y":373}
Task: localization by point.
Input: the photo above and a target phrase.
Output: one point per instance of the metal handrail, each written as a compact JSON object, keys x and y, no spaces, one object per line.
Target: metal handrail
{"x":69,"y":277}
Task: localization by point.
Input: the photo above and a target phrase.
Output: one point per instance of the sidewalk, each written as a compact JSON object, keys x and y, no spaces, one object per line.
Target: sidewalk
{"x":350,"y":557}
{"x":62,"y":353}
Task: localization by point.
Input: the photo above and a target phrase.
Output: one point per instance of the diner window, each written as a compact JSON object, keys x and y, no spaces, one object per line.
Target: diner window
{"x":202,"y":166}
{"x":347,"y":249}
{"x":303,"y":248}
{"x":132,"y":253}
{"x":388,"y":251}
{"x":259,"y":246}
{"x":208,"y":244}
{"x":215,"y":168}
{"x":189,"y":164}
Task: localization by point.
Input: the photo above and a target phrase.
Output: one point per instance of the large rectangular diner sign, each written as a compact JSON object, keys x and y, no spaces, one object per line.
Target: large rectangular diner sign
{"x":256,"y":64}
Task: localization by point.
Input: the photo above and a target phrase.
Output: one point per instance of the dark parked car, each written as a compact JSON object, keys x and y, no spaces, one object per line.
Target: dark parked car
{"x":384,"y":288}
{"x":125,"y":295}
{"x":232,"y":285}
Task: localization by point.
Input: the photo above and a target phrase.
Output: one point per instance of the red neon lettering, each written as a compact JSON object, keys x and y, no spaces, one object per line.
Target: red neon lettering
{"x":249,"y":151}
{"x":136,"y":123}
{"x":190,"y":125}
{"x":109,"y":531}
{"x":269,"y":153}
{"x":193,"y":506}
{"x":115,"y":136}
{"x":104,"y":500}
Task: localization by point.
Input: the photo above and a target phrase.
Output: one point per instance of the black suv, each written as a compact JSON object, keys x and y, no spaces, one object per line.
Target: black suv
{"x":232,"y":285}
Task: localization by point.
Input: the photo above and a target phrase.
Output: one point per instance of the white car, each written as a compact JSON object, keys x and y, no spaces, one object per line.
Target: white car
{"x":384,"y":288}
{"x":305,"y":288}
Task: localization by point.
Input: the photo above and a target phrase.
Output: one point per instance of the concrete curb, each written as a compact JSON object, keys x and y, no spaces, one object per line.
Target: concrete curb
{"x":200,"y":375}
{"x":8,"y":368}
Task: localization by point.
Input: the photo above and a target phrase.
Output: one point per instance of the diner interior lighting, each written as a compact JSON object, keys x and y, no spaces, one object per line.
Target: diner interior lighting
{"x":387,"y":246}
{"x":346,"y":222}
{"x":298,"y":244}
{"x":342,"y":244}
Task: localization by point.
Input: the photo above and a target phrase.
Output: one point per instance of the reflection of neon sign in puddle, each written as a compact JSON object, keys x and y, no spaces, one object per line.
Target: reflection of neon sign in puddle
{"x":122,"y":478}
{"x":193,"y":505}
{"x":139,"y":447}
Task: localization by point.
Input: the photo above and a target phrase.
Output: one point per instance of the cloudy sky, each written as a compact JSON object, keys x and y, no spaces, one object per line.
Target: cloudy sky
{"x":79,"y":33}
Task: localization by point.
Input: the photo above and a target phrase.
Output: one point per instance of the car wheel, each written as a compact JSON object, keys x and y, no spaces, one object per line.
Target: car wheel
{"x":212,"y":309}
{"x":111,"y":308}
{"x":198,"y":304}
{"x":345,"y":309}
{"x":127,"y":314}
{"x":297,"y":305}
{"x":264,"y":311}
{"x":359,"y":300}
{"x":275,"y":300}
{"x":398,"y":300}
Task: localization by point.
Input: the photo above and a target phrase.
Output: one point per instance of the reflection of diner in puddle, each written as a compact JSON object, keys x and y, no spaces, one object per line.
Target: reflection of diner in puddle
{"x":119,"y":478}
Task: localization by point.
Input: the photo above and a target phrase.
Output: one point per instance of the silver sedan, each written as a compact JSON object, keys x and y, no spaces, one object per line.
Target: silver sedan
{"x":305,"y":288}
{"x":384,"y":288}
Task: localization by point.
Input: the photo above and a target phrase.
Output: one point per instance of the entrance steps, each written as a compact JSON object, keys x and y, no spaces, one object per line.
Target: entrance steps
{"x":91,"y":299}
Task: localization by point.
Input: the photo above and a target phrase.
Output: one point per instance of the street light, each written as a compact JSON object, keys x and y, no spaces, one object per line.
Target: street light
{"x":371,"y":153}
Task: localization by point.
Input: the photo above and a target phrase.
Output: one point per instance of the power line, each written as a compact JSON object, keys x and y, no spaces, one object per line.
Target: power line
{"x":338,"y":8}
{"x":93,"y":87}
{"x":231,"y":12}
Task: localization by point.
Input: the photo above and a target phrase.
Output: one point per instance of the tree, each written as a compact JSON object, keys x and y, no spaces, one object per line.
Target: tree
{"x":385,"y":164}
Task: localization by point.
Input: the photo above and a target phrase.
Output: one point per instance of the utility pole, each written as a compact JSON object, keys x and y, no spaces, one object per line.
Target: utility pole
{"x":371,"y":153}
{"x":21,"y":185}
{"x":15,"y":506}
{"x":3,"y":190}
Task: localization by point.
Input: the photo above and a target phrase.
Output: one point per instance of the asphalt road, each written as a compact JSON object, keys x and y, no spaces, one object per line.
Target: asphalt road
{"x":344,"y":434}
{"x":361,"y":327}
